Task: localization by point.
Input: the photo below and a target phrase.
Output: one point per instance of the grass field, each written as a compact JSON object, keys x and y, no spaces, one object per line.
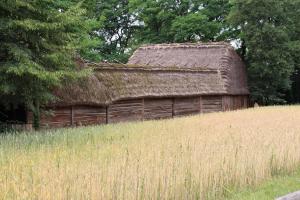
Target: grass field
{"x":271,"y":189}
{"x":200,"y":157}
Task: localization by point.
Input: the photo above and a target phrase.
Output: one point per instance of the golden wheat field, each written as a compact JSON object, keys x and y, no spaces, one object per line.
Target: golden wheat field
{"x":199,"y":157}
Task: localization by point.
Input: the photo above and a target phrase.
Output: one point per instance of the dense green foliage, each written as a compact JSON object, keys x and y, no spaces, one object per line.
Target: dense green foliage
{"x":294,"y":24}
{"x":40,"y":38}
{"x":181,"y":21}
{"x":268,"y":34}
{"x":117,"y":28}
{"x":38,"y":43}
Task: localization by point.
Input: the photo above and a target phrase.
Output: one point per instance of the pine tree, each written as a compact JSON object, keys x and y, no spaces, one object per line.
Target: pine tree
{"x":39,"y":40}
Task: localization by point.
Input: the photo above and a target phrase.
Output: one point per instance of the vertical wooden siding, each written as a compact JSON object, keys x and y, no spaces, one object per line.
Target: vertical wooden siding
{"x":56,"y":118}
{"x":139,"y":109}
{"x":211,"y":104}
{"x":127,"y":110}
{"x":235,"y":102}
{"x":88,"y":115}
{"x":158,"y":108}
{"x":186,"y":106}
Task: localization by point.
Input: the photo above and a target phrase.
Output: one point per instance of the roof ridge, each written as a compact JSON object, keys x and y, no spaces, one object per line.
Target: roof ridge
{"x":187,"y":45}
{"x":130,"y":67}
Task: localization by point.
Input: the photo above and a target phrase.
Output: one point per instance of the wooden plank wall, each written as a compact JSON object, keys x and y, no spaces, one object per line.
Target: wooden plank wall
{"x":140,"y":109}
{"x":55,"y":118}
{"x":235,"y":102}
{"x":59,"y":117}
{"x":88,"y":115}
{"x":127,"y":110}
{"x":212,"y":104}
{"x":186,"y":106}
{"x":158,"y":108}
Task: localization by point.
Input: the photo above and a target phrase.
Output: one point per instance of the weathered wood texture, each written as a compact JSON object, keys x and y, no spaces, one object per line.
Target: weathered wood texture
{"x":139,"y":109}
{"x":158,"y":108}
{"x":235,"y":102}
{"x":56,"y":117}
{"x":127,"y":110}
{"x":186,"y":106}
{"x":88,"y":115}
{"x":211,"y":104}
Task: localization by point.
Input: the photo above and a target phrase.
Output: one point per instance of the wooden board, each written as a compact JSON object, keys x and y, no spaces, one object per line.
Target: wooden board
{"x":88,"y":115}
{"x":56,"y":117}
{"x":71,"y":116}
{"x":186,"y":106}
{"x":246,"y":102}
{"x":240,"y":102}
{"x":226,"y":105}
{"x":158,"y":108}
{"x":235,"y":102}
{"x":127,"y":110}
{"x":211,"y":104}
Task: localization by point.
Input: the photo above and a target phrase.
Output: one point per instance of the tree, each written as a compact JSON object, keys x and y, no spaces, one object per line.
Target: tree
{"x":206,"y":21}
{"x":266,"y":44}
{"x":117,"y":28}
{"x":90,"y":42}
{"x":38,"y":43}
{"x":182,"y":20}
{"x":294,"y":32}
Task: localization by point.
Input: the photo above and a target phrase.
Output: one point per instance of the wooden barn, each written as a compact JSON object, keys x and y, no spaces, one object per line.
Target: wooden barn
{"x":160,"y":81}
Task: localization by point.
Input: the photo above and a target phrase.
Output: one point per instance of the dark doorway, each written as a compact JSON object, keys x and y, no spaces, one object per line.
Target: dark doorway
{"x":296,"y":87}
{"x":13,"y":114}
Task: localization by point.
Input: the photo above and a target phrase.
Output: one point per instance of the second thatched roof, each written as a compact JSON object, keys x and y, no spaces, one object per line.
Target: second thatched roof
{"x":194,"y":69}
{"x":218,"y":56}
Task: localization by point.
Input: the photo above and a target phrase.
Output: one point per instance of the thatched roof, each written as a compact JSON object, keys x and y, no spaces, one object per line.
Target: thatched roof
{"x":166,"y":76}
{"x":219,"y":56}
{"x":111,"y":82}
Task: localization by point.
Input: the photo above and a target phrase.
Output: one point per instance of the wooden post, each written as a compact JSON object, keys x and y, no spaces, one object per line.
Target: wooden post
{"x":248,"y":101}
{"x":223,"y":103}
{"x":200,"y":104}
{"x":143,"y":111}
{"x":72,"y":116}
{"x":106,"y":112}
{"x":173,"y":111}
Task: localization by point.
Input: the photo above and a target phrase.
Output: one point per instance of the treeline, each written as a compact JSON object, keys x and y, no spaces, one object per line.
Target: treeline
{"x":40,"y":38}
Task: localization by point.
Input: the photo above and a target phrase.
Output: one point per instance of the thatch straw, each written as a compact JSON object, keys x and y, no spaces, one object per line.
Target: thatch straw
{"x":219,"y":56}
{"x":161,"y":71}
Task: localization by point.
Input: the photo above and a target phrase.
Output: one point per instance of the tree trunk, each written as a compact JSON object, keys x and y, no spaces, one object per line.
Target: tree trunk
{"x":36,"y":115}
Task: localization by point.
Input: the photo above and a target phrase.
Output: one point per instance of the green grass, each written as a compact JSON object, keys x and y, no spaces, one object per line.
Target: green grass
{"x":271,"y":189}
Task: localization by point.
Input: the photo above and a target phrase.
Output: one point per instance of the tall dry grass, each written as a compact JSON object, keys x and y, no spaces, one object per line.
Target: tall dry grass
{"x":200,"y":157}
